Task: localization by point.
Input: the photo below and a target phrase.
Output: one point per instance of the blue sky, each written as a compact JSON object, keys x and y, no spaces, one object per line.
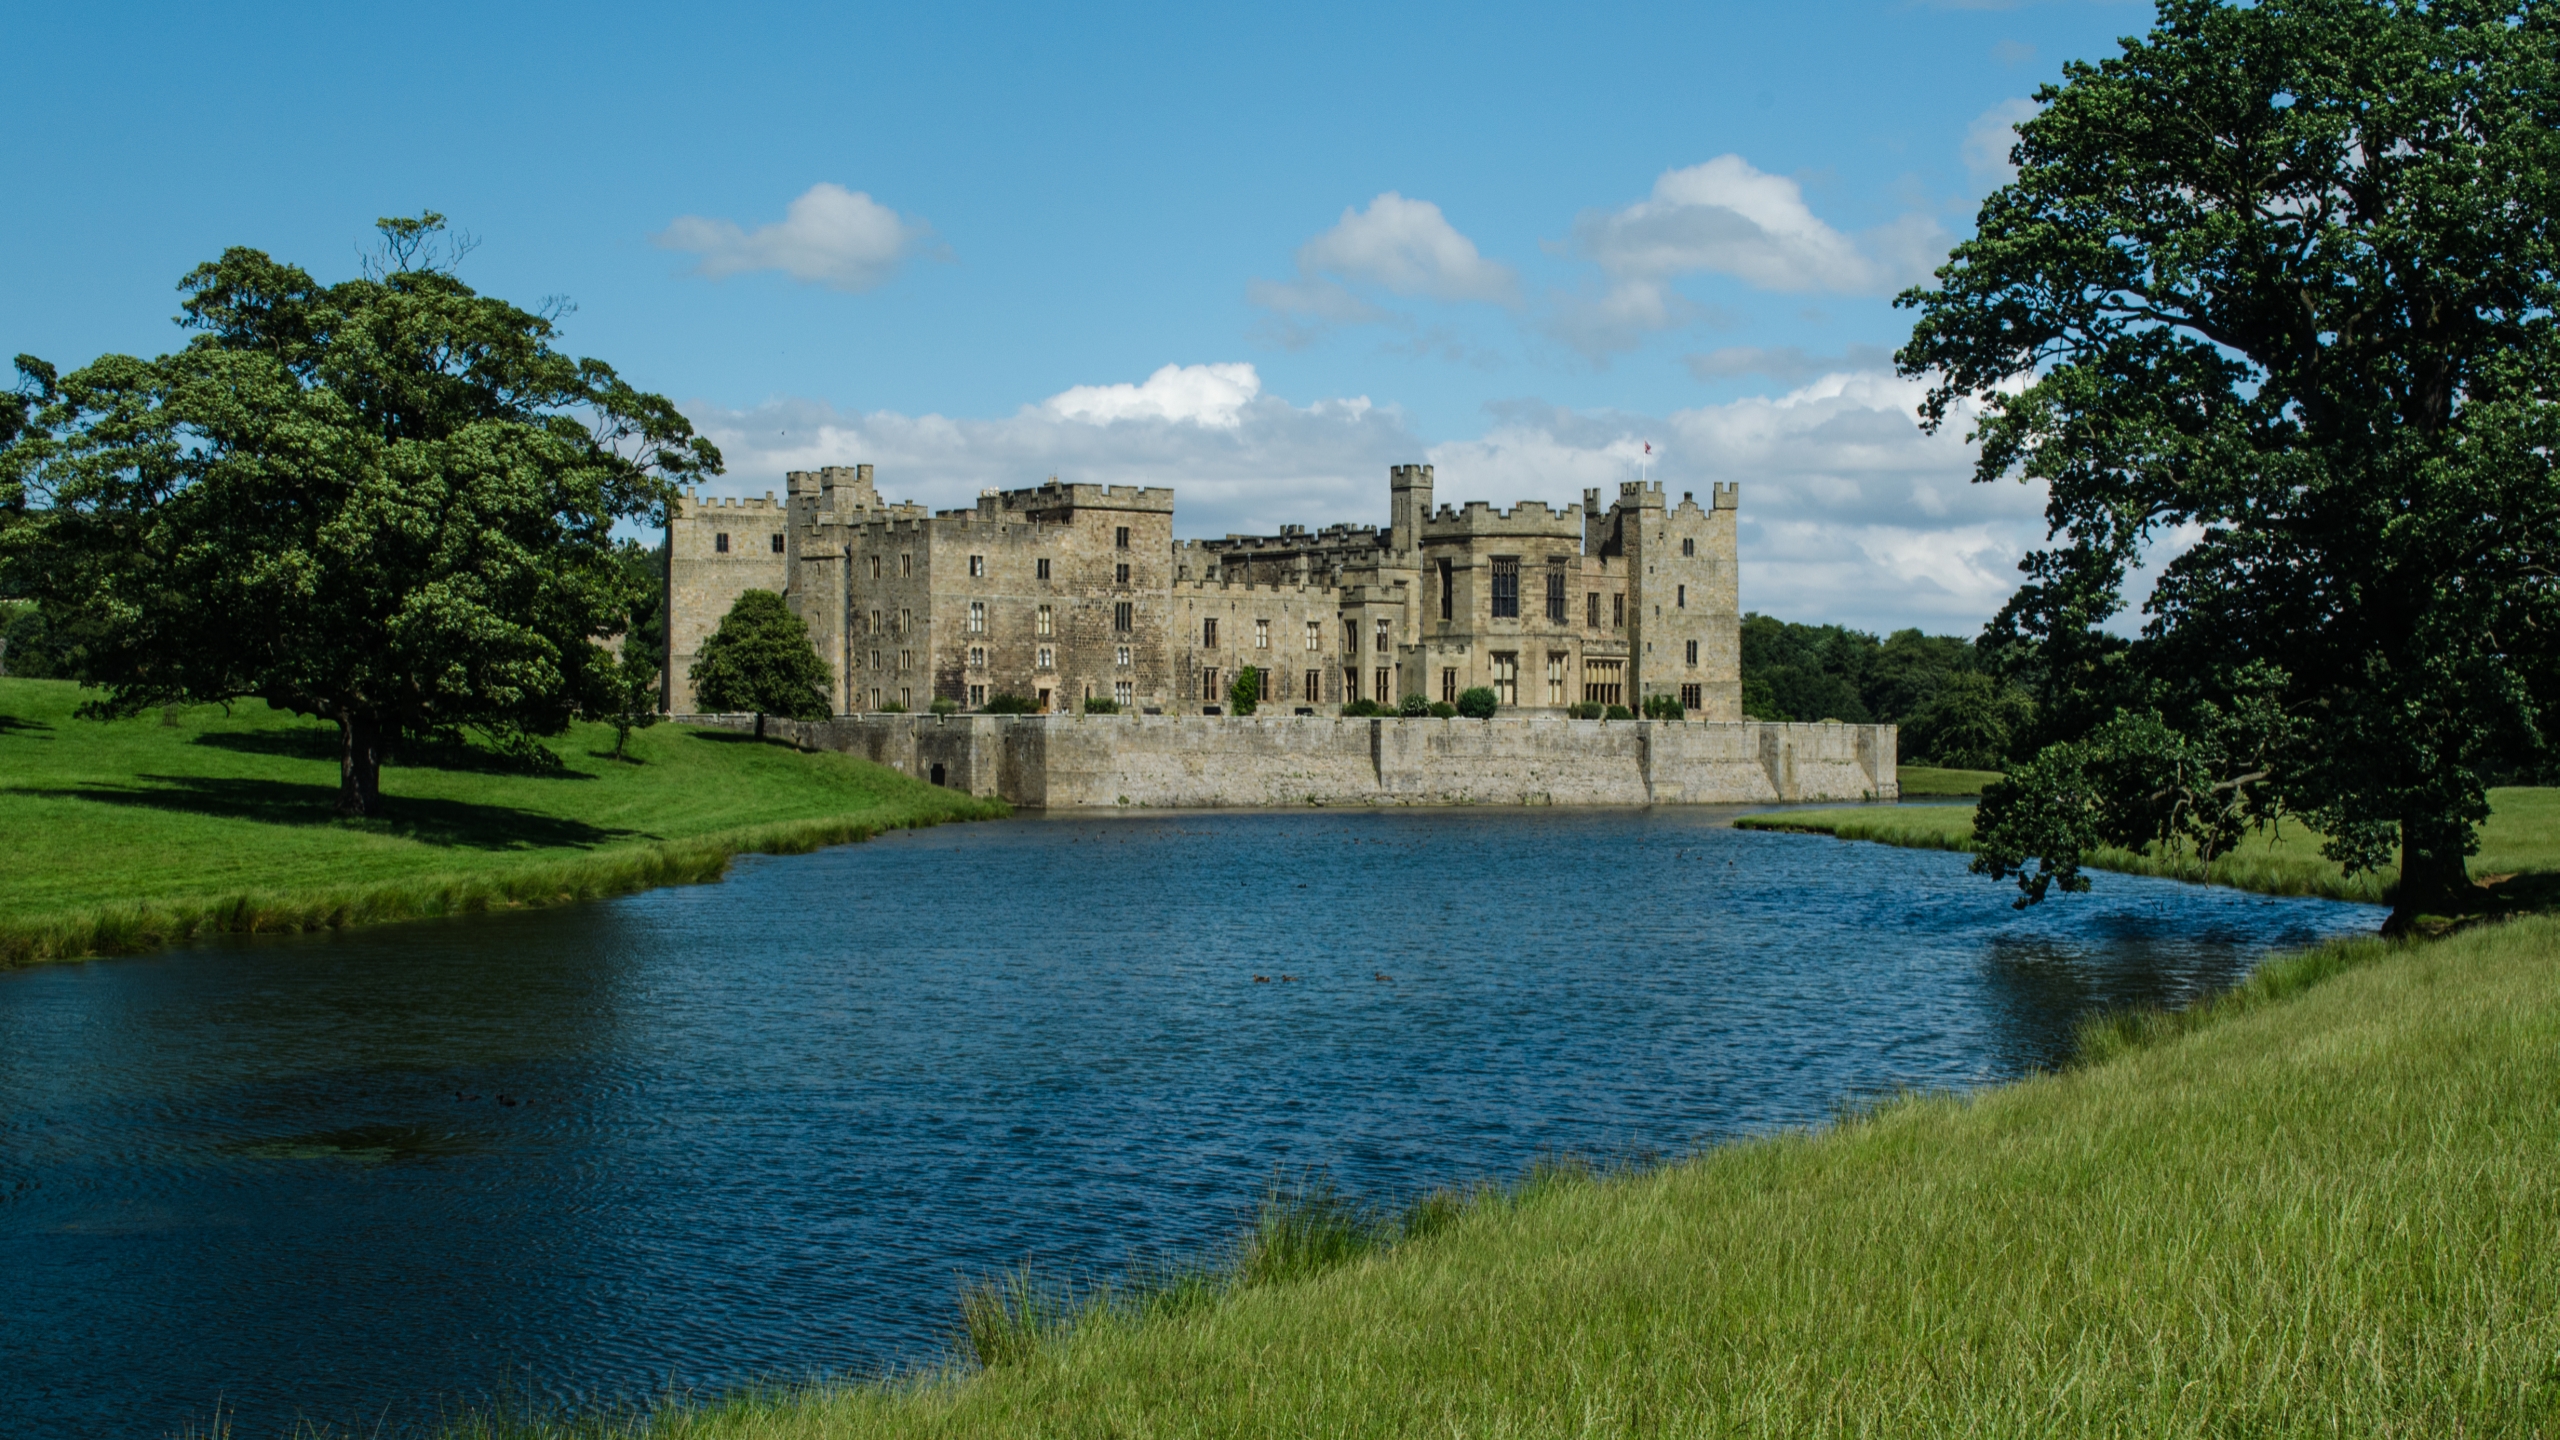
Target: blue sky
{"x":966,"y":244}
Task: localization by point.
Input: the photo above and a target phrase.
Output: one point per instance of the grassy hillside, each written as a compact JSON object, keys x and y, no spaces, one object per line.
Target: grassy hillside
{"x":2318,"y":1209}
{"x":2519,"y":848}
{"x":125,"y":834}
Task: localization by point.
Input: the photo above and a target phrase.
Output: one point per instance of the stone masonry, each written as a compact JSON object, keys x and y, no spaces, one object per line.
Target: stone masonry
{"x":1061,"y":593}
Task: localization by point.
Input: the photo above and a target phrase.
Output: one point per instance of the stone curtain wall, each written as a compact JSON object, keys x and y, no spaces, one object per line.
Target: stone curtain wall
{"x":1172,"y":761}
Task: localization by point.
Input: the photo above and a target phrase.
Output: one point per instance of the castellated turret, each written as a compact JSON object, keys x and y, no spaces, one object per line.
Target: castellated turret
{"x":1065,"y":594}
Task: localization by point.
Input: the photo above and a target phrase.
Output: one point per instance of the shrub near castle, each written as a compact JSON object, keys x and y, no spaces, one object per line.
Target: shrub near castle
{"x":759,"y":660}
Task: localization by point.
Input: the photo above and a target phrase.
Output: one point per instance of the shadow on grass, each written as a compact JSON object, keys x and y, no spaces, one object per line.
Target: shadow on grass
{"x":321,"y":743}
{"x":459,"y":824}
{"x":12,"y":725}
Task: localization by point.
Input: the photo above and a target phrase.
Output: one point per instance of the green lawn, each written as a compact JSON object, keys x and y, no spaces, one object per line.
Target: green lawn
{"x":2329,"y":1204}
{"x":121,"y":834}
{"x":2519,"y":848}
{"x":1919,"y":780}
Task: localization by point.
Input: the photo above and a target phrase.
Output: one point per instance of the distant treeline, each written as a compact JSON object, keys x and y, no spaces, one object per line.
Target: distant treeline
{"x":1952,"y":711}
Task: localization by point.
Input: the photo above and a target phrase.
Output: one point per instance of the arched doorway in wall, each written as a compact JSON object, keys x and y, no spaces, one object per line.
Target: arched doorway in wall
{"x":937,"y":772}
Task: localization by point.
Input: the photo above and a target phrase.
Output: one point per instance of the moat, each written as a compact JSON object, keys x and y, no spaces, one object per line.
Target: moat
{"x":762,"y":1128}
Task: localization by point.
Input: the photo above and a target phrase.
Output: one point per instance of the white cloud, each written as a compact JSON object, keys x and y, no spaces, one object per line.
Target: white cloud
{"x":1724,"y":217}
{"x":1849,"y":512}
{"x":1410,"y":248}
{"x":1987,"y":142}
{"x":1213,"y":395}
{"x":842,"y":239}
{"x":1403,"y":247}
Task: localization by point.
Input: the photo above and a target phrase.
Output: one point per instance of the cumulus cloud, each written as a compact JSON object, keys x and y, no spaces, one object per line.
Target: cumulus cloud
{"x":1988,"y":139}
{"x":1723,"y":217}
{"x":1403,"y":247}
{"x":1208,"y":395}
{"x":1849,"y":512}
{"x":842,"y":239}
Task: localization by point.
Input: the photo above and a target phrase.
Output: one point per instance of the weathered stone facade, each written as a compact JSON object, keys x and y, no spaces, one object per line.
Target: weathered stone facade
{"x":1064,"y":593}
{"x":1096,"y":761}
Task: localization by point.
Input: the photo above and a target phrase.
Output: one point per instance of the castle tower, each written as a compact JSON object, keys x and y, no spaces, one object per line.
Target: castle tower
{"x":1408,"y":503}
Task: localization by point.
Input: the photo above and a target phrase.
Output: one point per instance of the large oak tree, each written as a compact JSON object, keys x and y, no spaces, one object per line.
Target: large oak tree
{"x":388,"y":502}
{"x":2277,"y":282}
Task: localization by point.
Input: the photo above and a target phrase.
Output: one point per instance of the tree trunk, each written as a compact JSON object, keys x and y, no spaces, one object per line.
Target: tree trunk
{"x":2433,"y":878}
{"x":360,"y":744}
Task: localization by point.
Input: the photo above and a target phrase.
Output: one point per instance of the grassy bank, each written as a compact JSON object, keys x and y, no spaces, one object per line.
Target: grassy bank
{"x":2519,"y":855}
{"x":2326,"y":1204}
{"x":1917,"y":781}
{"x":126,"y":835}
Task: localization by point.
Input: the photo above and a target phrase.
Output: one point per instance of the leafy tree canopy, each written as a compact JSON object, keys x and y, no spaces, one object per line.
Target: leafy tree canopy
{"x":387,"y":501}
{"x":1244,"y":692}
{"x":2277,"y":281}
{"x":760,"y":660}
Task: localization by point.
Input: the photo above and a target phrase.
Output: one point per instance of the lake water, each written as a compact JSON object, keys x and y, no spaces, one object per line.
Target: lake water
{"x":763,"y":1128}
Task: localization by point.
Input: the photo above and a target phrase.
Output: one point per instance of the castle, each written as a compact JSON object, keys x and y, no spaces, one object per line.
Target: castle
{"x":1064,"y":593}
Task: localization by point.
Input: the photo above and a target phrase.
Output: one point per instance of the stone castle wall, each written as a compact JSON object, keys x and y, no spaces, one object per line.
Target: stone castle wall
{"x":1170,"y":761}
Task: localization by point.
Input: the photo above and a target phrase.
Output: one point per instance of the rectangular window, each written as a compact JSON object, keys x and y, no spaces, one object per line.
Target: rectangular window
{"x":1591,"y":616}
{"x":1683,"y":601}
{"x":1693,"y":697}
{"x":720,"y":543}
{"x":1693,"y":652}
{"x":906,"y":660}
{"x":1604,"y":682}
{"x":977,"y":696}
{"x":1315,"y":635}
{"x":1315,"y":684}
{"x":1261,"y":634}
{"x":1209,"y":634}
{"x":1555,"y":597}
{"x":1449,"y":684}
{"x":906,"y":562}
{"x":1506,"y":587}
{"x":1125,"y":692}
{"x":1618,"y":610}
{"x":907,"y":696}
{"x":977,"y":617}
{"x":1121,"y":618}
{"x":906,"y":619}
{"x":1506,"y":676}
{"x":875,"y":622}
{"x":1350,"y":638}
{"x":977,"y":657}
{"x":875,"y":567}
{"x":1688,"y":545}
{"x":1120,"y":573}
{"x":1208,"y":682}
{"x":777,"y":544}
{"x":977,"y":567}
{"x":1120,"y":657}
{"x":1120,"y":538}
{"x":1047,"y":657}
{"x":1448,"y":590}
{"x":1382,"y":694}
{"x":1044,"y":567}
{"x":1044,"y":622}
{"x":1383,"y":644}
{"x":1556,"y":691}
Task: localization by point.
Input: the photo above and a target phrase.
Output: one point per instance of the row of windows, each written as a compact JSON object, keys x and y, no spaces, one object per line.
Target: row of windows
{"x":977,"y":563}
{"x":1262,"y":634}
{"x":720,"y":543}
{"x":1044,"y":619}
